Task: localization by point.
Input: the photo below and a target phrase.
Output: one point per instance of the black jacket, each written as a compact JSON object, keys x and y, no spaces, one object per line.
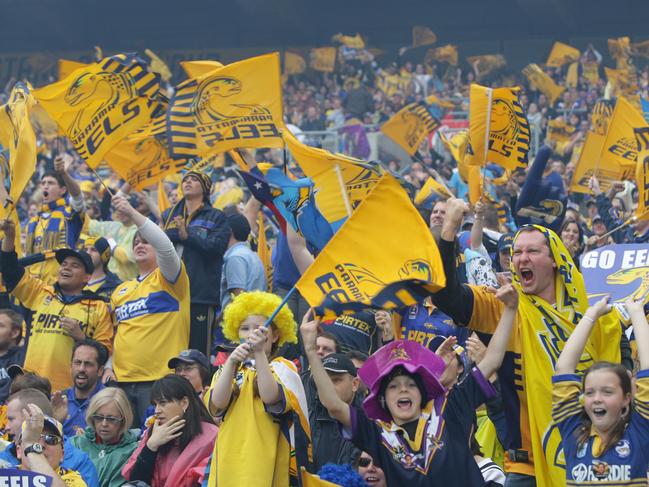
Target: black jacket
{"x":328,"y":444}
{"x":208,"y":234}
{"x":15,"y":355}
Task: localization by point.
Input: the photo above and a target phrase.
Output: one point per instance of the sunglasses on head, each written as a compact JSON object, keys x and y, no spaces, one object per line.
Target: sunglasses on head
{"x":51,"y":440}
{"x":364,"y":462}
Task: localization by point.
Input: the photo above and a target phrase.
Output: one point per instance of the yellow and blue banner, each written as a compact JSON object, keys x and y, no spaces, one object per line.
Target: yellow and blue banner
{"x":363,"y":265}
{"x":17,"y":147}
{"x":98,"y":105}
{"x":642,"y":172}
{"x":620,"y":149}
{"x":238,"y":105}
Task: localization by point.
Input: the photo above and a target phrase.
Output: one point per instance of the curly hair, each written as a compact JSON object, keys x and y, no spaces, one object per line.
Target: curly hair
{"x":262,"y":304}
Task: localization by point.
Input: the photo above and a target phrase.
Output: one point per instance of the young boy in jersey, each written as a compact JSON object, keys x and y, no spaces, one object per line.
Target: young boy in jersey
{"x":605,"y":440}
{"x":415,"y":429}
{"x":256,"y":394}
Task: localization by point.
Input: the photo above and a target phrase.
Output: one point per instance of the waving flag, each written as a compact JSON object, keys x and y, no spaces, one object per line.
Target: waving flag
{"x":341,"y":182}
{"x":98,"y":105}
{"x":642,"y":172}
{"x":543,"y":82}
{"x":422,"y":36}
{"x":446,"y":54}
{"x":365,"y":265}
{"x":353,"y":42}
{"x":487,"y":63}
{"x":562,"y":54}
{"x":17,"y":147}
{"x":67,"y":67}
{"x":323,"y":59}
{"x":194,"y":69}
{"x":432,"y":190}
{"x":238,"y":105}
{"x":294,"y":63}
{"x":620,"y":149}
{"x":412,"y":124}
{"x":498,"y":129}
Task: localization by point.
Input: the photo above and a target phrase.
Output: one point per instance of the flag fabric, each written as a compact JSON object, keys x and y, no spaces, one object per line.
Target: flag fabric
{"x":562,"y":54}
{"x":365,"y":265}
{"x":334,"y":175}
{"x":620,"y":50}
{"x":157,"y":65}
{"x":487,"y":63}
{"x":294,"y":63}
{"x":642,"y":172}
{"x":142,"y":158}
{"x":43,"y":123}
{"x":640,"y":49}
{"x":601,"y":116}
{"x":98,"y":105}
{"x":264,"y":251}
{"x":311,"y":480}
{"x":17,"y":147}
{"x":588,"y":165}
{"x":560,"y":131}
{"x":195,"y":69}
{"x":67,"y":67}
{"x":238,"y":105}
{"x":353,"y":42}
{"x":474,"y":180}
{"x":422,"y":36}
{"x":442,"y":54}
{"x":163,"y":199}
{"x":410,"y":126}
{"x":323,"y":59}
{"x":543,"y":82}
{"x":457,"y":145}
{"x":432,"y":190}
{"x":509,"y":132}
{"x":620,"y":149}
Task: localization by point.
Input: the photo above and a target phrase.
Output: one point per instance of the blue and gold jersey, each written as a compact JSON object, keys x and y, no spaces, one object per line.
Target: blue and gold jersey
{"x":430,"y":327}
{"x":152,"y":317}
{"x":623,"y":464}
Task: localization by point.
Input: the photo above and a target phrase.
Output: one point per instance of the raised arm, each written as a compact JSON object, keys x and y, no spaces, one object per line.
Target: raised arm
{"x":495,"y":353}
{"x":301,"y":256}
{"x":574,"y":347}
{"x":641,"y":331}
{"x":338,"y":409}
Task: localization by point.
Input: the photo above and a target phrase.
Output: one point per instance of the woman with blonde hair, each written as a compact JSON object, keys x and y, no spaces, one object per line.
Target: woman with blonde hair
{"x":107,"y":439}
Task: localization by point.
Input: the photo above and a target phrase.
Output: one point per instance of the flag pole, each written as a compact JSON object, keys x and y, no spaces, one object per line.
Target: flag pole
{"x":110,"y":192}
{"x":486,"y":139}
{"x":343,"y":189}
{"x":628,"y":222}
{"x":279,"y":308}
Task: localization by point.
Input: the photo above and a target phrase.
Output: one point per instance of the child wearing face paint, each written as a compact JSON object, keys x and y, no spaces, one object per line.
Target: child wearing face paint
{"x":414,"y":428}
{"x":605,"y":439}
{"x":257,"y":394}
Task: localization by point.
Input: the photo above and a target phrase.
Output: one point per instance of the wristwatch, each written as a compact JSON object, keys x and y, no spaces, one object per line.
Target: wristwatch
{"x":35,"y":448}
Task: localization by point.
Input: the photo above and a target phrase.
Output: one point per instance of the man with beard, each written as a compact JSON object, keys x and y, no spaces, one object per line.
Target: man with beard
{"x":70,"y":405}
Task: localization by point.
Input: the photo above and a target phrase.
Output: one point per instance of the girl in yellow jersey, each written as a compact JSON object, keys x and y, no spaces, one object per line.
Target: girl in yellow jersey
{"x":256,"y":394}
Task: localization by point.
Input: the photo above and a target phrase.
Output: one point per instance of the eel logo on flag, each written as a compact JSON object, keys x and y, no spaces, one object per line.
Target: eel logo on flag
{"x":506,"y":124}
{"x":217,"y":101}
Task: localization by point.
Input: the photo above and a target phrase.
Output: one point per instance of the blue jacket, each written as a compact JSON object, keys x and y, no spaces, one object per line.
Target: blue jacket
{"x":75,"y":421}
{"x":73,"y":459}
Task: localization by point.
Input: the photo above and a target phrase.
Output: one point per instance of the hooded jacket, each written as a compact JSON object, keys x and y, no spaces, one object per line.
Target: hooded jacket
{"x":108,"y":459}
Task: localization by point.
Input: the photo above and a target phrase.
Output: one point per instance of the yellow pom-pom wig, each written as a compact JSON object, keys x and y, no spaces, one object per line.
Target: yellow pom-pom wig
{"x":262,"y":304}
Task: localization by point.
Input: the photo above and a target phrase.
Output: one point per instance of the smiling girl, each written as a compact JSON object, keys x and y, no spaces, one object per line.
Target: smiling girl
{"x":605,"y":439}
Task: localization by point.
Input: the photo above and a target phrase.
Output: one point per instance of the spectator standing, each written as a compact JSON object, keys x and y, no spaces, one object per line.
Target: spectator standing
{"x":10,"y":352}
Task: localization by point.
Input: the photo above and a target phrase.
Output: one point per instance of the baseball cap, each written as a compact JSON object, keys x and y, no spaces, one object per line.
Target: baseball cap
{"x":339,"y":364}
{"x":82,"y":255}
{"x":51,"y":423}
{"x":505,"y":241}
{"x":102,"y":246}
{"x":191,"y":356}
{"x":597,"y":218}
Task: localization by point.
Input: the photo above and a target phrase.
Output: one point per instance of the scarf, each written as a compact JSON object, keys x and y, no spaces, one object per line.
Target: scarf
{"x":544,"y":329}
{"x":55,"y":228}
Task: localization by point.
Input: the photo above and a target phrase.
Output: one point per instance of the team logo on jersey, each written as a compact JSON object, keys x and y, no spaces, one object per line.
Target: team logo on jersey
{"x":623,"y":448}
{"x":579,"y":472}
{"x":600,"y":469}
{"x":581,"y":453}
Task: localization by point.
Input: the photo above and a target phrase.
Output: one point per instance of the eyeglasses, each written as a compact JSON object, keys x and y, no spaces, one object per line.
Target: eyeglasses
{"x":364,"y":462}
{"x":51,"y":439}
{"x":98,"y":418}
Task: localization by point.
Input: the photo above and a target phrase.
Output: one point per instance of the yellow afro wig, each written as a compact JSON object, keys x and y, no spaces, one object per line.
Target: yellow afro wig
{"x":261,"y":304}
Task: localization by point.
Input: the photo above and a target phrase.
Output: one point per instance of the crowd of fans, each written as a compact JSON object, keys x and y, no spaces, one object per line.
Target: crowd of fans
{"x":133,"y":345}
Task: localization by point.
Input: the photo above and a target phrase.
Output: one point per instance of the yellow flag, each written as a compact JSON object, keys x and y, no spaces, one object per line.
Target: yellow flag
{"x":562,"y":54}
{"x":100,"y":104}
{"x":443,"y":54}
{"x":17,"y":147}
{"x":475,"y":184}
{"x":310,"y":480}
{"x":142,"y":158}
{"x":67,"y":67}
{"x":572,"y":76}
{"x":508,"y":137}
{"x":422,"y":36}
{"x":163,"y":199}
{"x":238,"y":105}
{"x":620,"y":50}
{"x":294,"y":63}
{"x":365,"y":265}
{"x":264,"y":251}
{"x":457,"y":145}
{"x":44,"y":124}
{"x":157,"y":65}
{"x":410,"y":126}
{"x":640,"y":49}
{"x":333,"y":175}
{"x":620,"y":149}
{"x":354,"y":42}
{"x":194,"y":69}
{"x":601,"y":116}
{"x":323,"y":59}
{"x":487,"y":63}
{"x":588,"y":165}
{"x":543,"y":82}
{"x":431,"y":188}
{"x":642,"y":172}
